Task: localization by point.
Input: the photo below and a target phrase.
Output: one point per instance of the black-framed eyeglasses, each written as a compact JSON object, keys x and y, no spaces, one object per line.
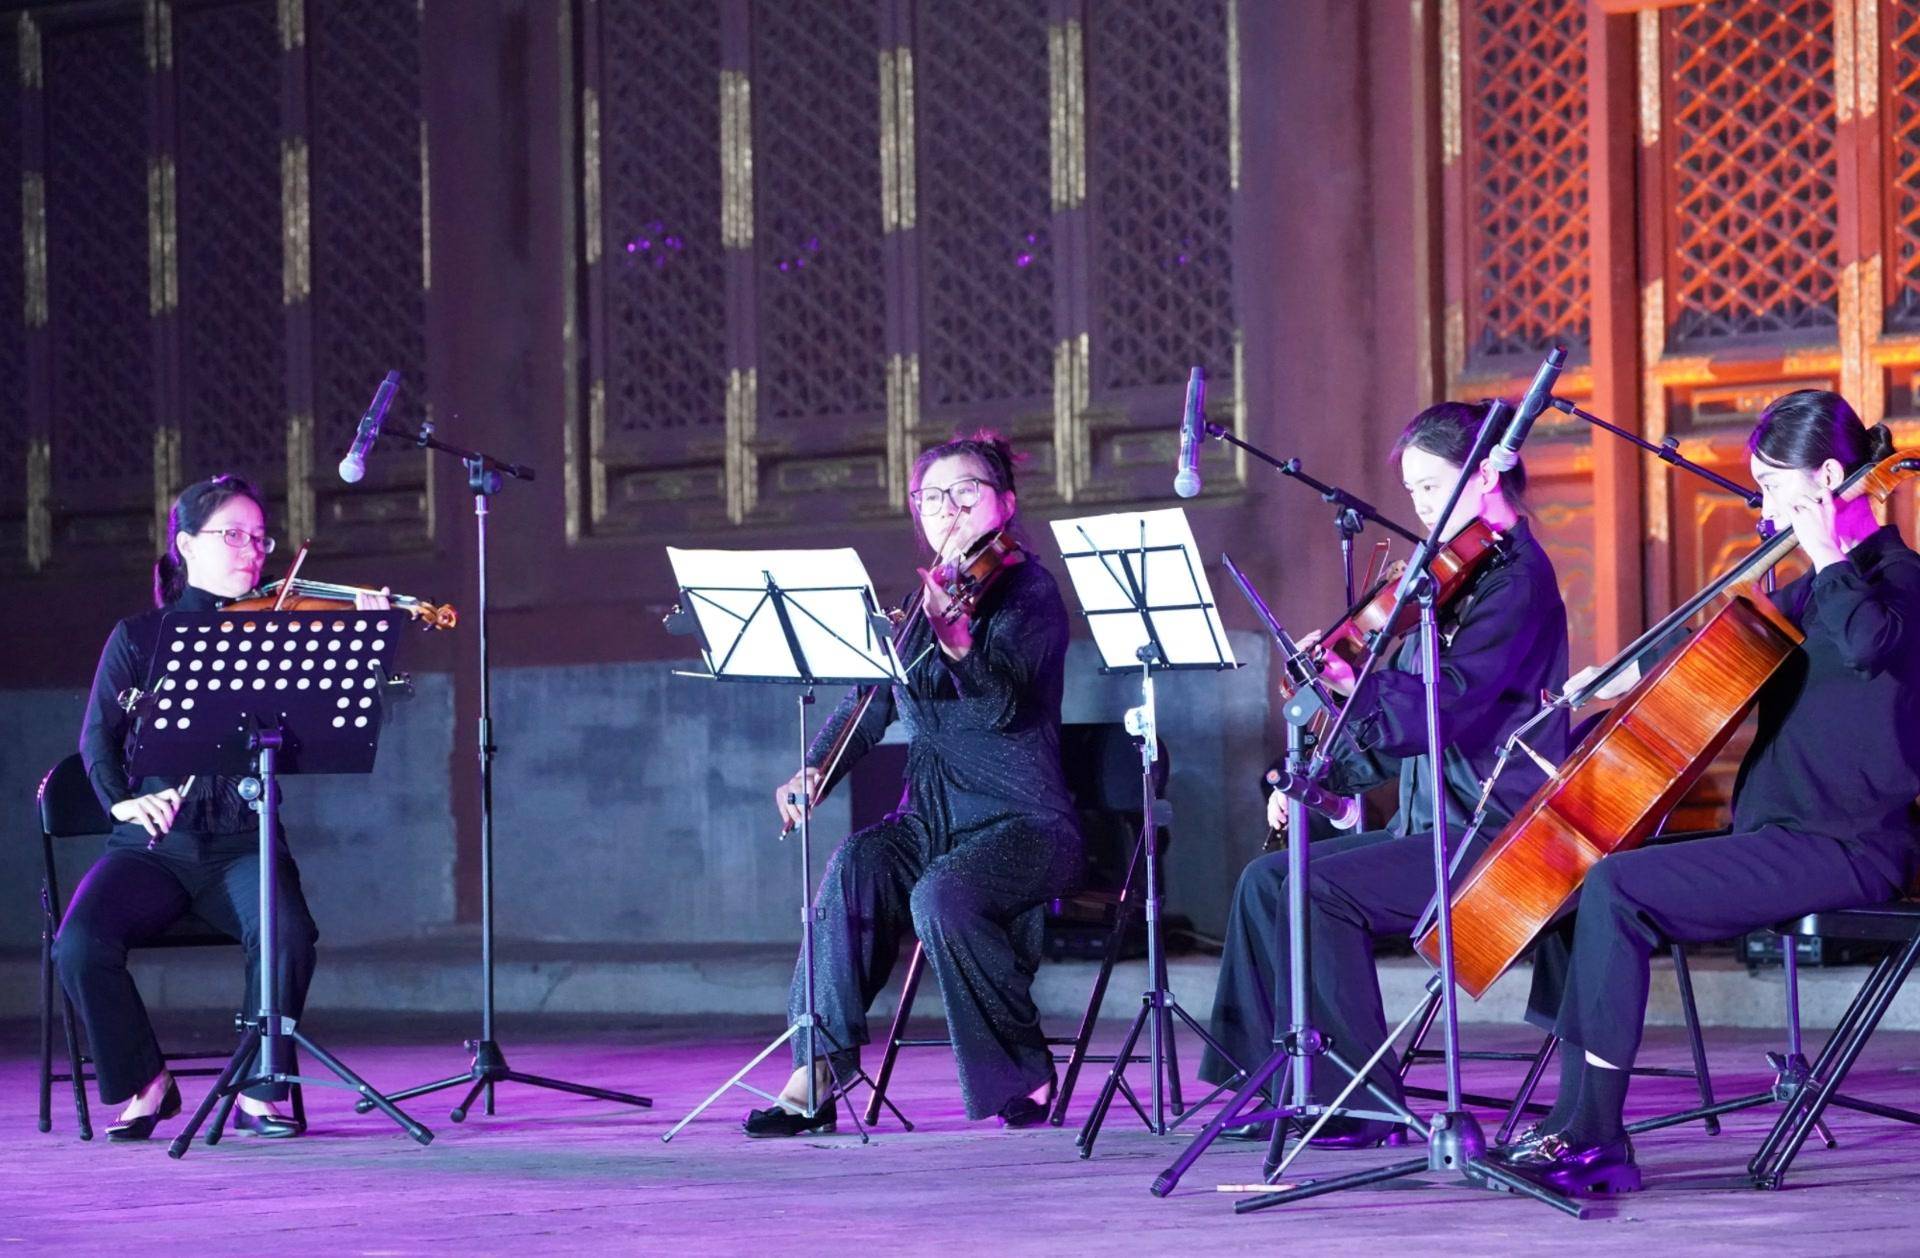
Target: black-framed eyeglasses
{"x":963,"y":493}
{"x":238,"y":538}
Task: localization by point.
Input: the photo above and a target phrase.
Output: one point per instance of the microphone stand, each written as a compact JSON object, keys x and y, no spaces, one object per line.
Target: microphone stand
{"x":485,"y":477}
{"x":1301,"y":1042}
{"x":1455,"y":1142}
{"x":1667,"y":451}
{"x":1350,"y":513}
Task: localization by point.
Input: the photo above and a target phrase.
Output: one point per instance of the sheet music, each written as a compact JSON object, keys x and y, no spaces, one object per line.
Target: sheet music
{"x":828,"y":596}
{"x":1169,"y":575}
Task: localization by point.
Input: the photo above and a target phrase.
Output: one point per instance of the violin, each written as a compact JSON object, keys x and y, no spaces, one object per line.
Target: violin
{"x":965,"y":581}
{"x":303,"y":595}
{"x":1351,"y":636}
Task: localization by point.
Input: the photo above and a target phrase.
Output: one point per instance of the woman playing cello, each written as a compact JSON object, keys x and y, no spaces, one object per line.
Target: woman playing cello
{"x":1824,"y":809}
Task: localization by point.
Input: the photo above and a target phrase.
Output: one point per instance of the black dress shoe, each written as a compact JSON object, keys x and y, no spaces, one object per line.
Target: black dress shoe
{"x":778,"y":1121}
{"x":1356,"y":1133}
{"x":1528,"y":1140}
{"x":1577,"y":1170}
{"x":142,"y":1127}
{"x":1263,"y":1132}
{"x":266,"y":1126}
{"x":1024,"y":1111}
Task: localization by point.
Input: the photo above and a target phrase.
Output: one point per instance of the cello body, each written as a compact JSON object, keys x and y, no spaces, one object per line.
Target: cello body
{"x":1645,"y":754}
{"x":1616,"y":787}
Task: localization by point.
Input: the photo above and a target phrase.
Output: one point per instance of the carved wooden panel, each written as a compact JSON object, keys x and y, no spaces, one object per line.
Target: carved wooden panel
{"x":1560,"y":497}
{"x":14,"y":428}
{"x":820,"y":288}
{"x":931,"y":215}
{"x":100,"y":339}
{"x":987,"y":255}
{"x":233,"y":404}
{"x":659,"y":292}
{"x":1160,"y":190}
{"x":1900,"y":94}
{"x":366,"y":169}
{"x":1524,"y":136}
{"x":1750,"y":176}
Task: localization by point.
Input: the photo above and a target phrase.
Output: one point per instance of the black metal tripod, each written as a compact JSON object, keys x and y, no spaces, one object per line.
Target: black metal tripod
{"x":489,"y":1065}
{"x":267,"y":1028}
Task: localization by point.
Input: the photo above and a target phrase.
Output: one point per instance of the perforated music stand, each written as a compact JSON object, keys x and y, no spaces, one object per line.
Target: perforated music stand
{"x":1144,"y":593}
{"x":792,"y":617}
{"x":261,"y":694}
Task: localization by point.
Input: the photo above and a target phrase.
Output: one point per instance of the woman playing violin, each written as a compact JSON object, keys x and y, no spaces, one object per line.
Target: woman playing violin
{"x":985,"y":832}
{"x":1824,"y":813}
{"x":177,"y":847}
{"x":1503,"y":642}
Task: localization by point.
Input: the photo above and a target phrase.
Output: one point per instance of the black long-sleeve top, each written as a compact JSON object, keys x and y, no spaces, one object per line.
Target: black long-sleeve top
{"x":1837,"y":750}
{"x":213,"y":806}
{"x":1503,"y":644}
{"x":983,"y":731}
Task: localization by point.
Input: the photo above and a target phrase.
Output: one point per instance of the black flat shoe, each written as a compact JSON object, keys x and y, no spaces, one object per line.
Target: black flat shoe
{"x":1357,"y":1133}
{"x":1263,"y":1132}
{"x":1583,"y":1170}
{"x":1024,"y":1111}
{"x":142,"y":1127}
{"x":266,"y":1126}
{"x":778,"y":1122}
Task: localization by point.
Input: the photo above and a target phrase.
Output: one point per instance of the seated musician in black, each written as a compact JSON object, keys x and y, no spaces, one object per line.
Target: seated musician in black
{"x":1504,"y":641}
{"x":1824,"y":811}
{"x":985,"y":833}
{"x":174,"y":852}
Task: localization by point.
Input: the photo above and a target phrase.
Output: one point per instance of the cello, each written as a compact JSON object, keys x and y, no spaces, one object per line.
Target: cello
{"x":1641,"y":758}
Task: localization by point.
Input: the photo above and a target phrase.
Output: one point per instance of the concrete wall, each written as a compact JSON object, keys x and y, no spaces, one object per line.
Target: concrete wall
{"x":375,"y":852}
{"x":633,"y":806}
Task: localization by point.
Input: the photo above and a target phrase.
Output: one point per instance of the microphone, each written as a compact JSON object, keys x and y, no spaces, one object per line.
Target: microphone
{"x":354,"y":466}
{"x":1342,"y":810}
{"x":1193,"y":434}
{"x":1318,"y":798}
{"x":1539,"y":393}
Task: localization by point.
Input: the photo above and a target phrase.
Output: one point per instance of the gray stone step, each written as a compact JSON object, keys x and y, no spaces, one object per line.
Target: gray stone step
{"x":441,"y":975}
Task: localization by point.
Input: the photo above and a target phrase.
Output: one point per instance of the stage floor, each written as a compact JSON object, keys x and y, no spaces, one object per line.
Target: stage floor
{"x":550,"y":1173}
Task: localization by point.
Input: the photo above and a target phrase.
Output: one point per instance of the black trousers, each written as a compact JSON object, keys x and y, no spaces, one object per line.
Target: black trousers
{"x":1361,"y":887}
{"x":132,"y":894}
{"x":975,"y":902}
{"x":1707,"y":889}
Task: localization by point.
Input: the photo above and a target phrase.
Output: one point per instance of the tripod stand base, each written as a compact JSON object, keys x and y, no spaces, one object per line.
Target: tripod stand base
{"x":230,"y":1084}
{"x":489,"y":1068}
{"x":1454,"y":1144}
{"x":836,"y":1091}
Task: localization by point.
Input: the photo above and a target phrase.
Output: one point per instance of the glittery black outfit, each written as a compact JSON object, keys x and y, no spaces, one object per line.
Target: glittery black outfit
{"x":984,"y":835}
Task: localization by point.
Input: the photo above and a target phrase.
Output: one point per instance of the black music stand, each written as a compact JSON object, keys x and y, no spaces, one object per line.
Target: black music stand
{"x":798,"y":618}
{"x":261,"y":694}
{"x":1144,"y":594}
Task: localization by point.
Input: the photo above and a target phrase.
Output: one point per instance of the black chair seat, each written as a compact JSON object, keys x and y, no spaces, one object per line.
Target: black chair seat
{"x":1897,"y":924}
{"x":70,"y":810}
{"x":1888,"y":923}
